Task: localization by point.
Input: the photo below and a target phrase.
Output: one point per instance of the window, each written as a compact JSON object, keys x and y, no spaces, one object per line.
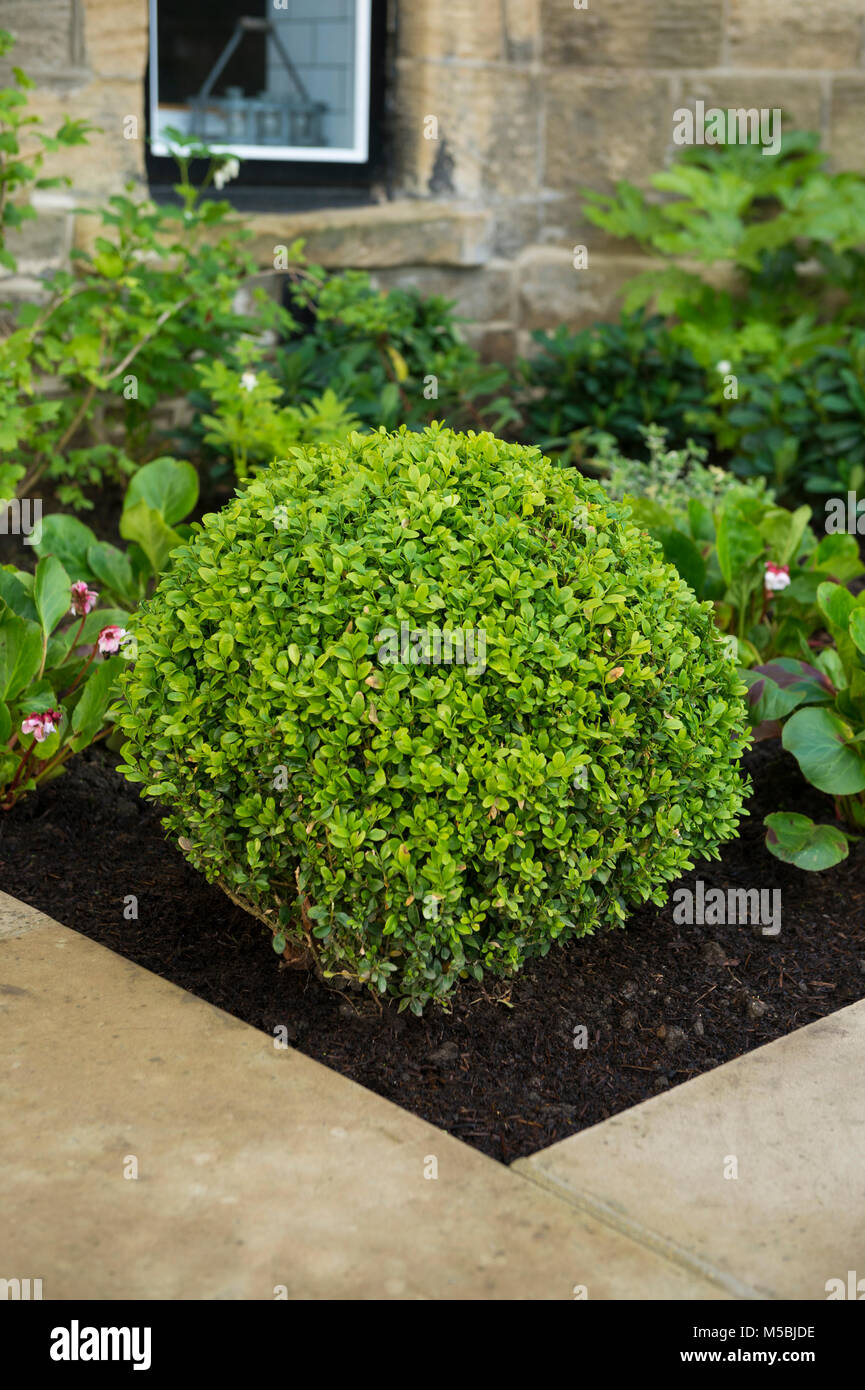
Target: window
{"x":267,"y":80}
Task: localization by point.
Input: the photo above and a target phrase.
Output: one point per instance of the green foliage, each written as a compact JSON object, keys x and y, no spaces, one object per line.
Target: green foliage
{"x":617,"y":378}
{"x":394,"y":357}
{"x":83,"y":372}
{"x":413,"y":822}
{"x":822,"y":707}
{"x":670,"y":478}
{"x":760,"y":220}
{"x":249,"y":426}
{"x":802,"y":428}
{"x":160,"y":495}
{"x":55,"y":688}
{"x":721,"y":534}
{"x":781,"y":243}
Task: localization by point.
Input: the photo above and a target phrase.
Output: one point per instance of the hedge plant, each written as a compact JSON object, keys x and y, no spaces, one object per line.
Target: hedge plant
{"x":408,"y":824}
{"x":617,"y":378}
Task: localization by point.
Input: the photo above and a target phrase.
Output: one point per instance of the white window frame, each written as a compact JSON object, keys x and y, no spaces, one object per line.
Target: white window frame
{"x":358,"y":153}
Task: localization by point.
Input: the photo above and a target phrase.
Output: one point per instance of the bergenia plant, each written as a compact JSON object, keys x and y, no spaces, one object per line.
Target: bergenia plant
{"x":60,"y":655}
{"x":819,"y":709}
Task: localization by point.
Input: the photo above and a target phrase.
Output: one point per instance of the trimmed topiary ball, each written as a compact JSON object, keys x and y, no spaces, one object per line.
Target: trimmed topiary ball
{"x":425,"y":704}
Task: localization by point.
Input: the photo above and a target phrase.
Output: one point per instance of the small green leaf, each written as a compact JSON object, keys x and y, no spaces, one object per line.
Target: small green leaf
{"x":835,"y":603}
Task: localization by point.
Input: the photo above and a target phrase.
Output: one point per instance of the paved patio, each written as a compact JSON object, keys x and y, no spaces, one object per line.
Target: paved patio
{"x":263,"y":1174}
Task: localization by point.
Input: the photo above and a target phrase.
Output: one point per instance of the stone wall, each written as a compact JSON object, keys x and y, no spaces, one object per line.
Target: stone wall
{"x":532,"y":100}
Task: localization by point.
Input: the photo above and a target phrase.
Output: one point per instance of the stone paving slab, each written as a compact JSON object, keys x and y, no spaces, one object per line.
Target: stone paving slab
{"x":789,"y":1118}
{"x":258,"y":1168}
{"x":17,"y":918}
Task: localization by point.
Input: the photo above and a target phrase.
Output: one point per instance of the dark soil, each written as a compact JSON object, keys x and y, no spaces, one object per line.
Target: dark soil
{"x":660,"y":1002}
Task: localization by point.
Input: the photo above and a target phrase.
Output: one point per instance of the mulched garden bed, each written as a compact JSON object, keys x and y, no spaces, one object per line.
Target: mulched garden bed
{"x":661,"y":1002}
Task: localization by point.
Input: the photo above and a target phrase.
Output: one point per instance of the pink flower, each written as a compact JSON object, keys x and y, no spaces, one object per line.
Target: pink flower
{"x":109,"y":640}
{"x":41,"y":725}
{"x":777,"y":577}
{"x":83,"y":599}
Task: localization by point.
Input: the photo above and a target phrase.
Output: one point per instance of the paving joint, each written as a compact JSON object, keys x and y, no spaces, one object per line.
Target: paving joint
{"x":649,"y":1239}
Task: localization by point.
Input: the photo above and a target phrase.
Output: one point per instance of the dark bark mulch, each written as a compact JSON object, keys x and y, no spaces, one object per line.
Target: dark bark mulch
{"x":660,"y":1002}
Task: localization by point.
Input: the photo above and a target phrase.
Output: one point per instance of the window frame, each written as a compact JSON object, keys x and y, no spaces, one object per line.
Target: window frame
{"x":328,"y":160}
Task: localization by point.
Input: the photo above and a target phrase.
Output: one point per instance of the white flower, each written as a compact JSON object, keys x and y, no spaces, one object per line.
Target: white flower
{"x":777,"y":578}
{"x":724,"y":367}
{"x":249,"y":381}
{"x":226,"y":172}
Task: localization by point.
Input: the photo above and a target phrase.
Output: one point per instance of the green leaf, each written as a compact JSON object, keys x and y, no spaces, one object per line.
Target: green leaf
{"x":821,"y":743}
{"x":835,"y":603}
{"x":88,"y":717}
{"x":145,"y":526}
{"x":168,"y":485}
{"x":739,"y":544}
{"x":681,"y":551}
{"x":51,"y":593}
{"x":5,"y":724}
{"x":111,"y":567}
{"x":838,"y":556}
{"x":784,"y":531}
{"x":68,"y":539}
{"x":857,"y":628}
{"x":797,"y":840}
{"x":15,"y":591}
{"x":20,"y":654}
{"x":796,"y":683}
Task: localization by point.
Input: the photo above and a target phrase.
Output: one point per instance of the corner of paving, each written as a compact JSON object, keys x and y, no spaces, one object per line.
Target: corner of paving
{"x":156,"y":1148}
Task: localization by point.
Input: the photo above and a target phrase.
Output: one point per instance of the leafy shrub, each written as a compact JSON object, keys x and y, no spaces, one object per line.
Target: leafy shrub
{"x":24,"y":145}
{"x":669,"y":478}
{"x":59,"y":663}
{"x":409,"y":816}
{"x":805,"y":431}
{"x":82,"y":373}
{"x":247,"y":423}
{"x":822,"y":709}
{"x":759,"y":563}
{"x":787,"y":239}
{"x":617,"y":378}
{"x":395,"y":357}
{"x":763,"y":220}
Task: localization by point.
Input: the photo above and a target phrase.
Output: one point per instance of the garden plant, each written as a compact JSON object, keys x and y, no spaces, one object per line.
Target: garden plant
{"x":414,"y":821}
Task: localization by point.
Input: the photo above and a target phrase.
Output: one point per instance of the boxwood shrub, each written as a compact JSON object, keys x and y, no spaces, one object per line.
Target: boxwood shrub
{"x":407,"y":810}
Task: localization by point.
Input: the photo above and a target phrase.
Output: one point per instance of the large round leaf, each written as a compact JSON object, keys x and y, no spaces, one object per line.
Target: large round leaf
{"x":68,"y":539}
{"x":168,"y":486}
{"x":797,"y":840}
{"x":821,"y":744}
